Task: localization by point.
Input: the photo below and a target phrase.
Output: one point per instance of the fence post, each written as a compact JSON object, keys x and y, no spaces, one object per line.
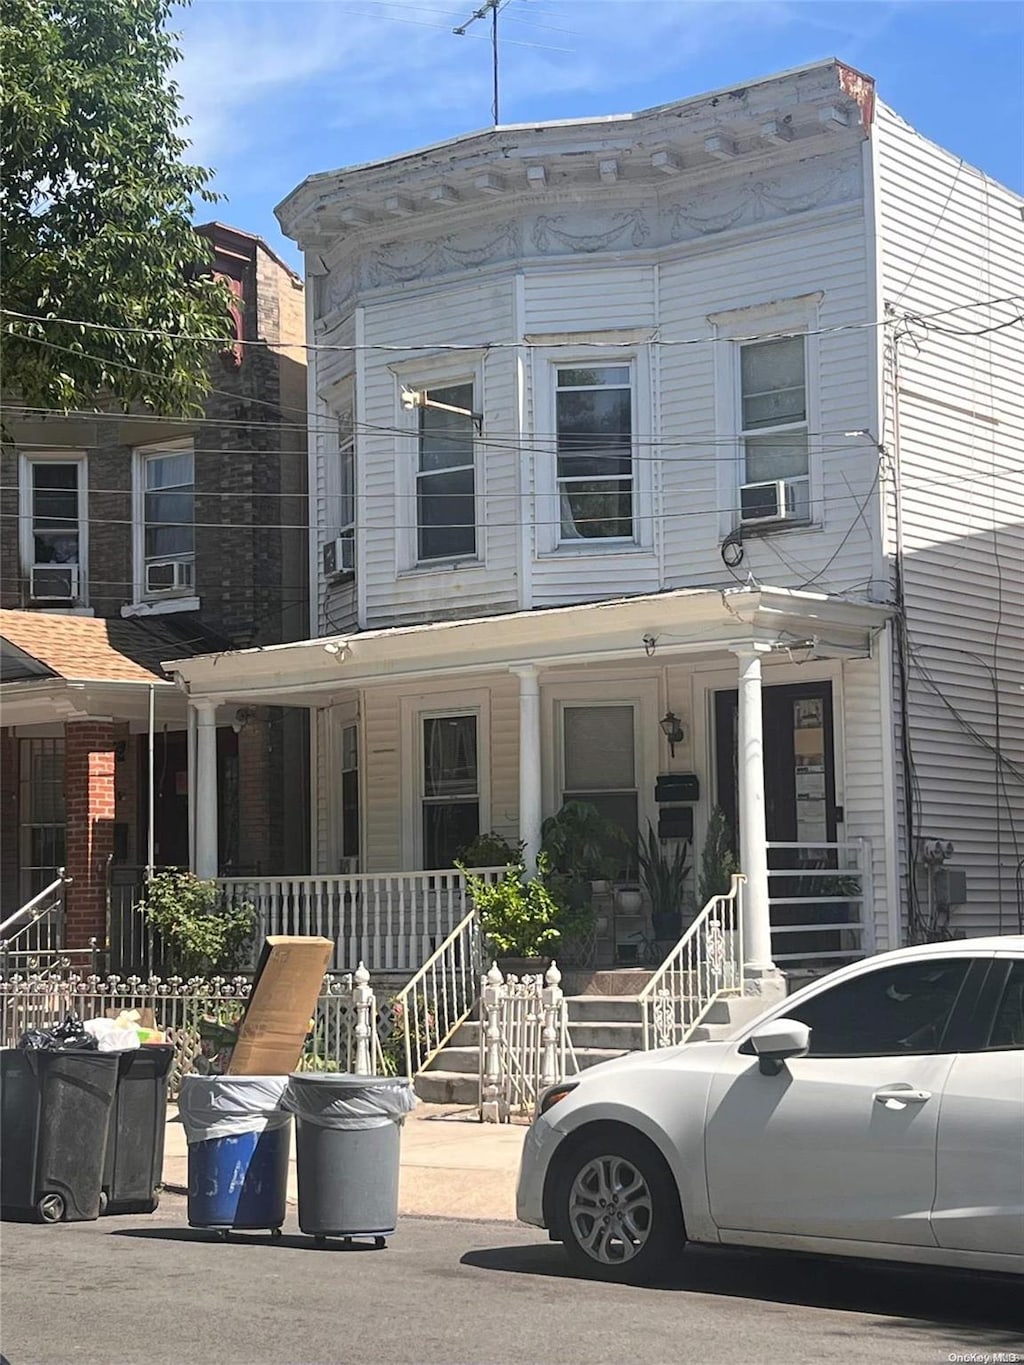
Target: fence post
{"x":552,"y":1030}
{"x":363,"y":1004}
{"x":492,"y":993}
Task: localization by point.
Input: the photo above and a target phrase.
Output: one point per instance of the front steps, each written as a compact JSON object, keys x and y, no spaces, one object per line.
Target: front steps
{"x":601,"y":1027}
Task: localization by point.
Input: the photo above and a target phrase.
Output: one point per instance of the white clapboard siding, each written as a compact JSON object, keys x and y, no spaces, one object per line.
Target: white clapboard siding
{"x":951,"y":237}
{"x":864,"y":725}
{"x":465,"y":315}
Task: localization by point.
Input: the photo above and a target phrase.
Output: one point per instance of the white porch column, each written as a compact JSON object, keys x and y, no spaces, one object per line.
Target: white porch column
{"x":757,"y":940}
{"x":530,"y":801}
{"x":205,"y":856}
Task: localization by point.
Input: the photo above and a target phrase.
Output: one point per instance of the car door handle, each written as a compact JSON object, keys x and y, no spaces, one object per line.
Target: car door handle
{"x":898,"y":1097}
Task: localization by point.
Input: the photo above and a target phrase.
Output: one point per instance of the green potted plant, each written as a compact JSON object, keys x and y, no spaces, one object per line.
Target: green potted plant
{"x":663,"y":877}
{"x":717,"y":859}
{"x":582,"y":849}
{"x":519,"y":916}
{"x":491,"y":850}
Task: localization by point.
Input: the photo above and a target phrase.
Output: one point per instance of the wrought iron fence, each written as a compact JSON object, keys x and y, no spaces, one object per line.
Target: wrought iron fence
{"x":350,"y":1030}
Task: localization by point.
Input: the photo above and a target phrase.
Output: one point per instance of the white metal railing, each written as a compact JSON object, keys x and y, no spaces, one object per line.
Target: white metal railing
{"x":820,"y":902}
{"x":34,"y":934}
{"x":200,"y":1016}
{"x":441,"y":995}
{"x":524,"y":1042}
{"x":392,"y":921}
{"x":706,"y":964}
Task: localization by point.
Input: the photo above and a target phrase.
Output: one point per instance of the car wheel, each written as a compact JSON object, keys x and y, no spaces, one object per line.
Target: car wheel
{"x":618,"y":1208}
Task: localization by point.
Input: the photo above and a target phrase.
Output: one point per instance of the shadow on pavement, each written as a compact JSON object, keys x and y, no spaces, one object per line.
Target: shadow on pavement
{"x":965,"y":1307}
{"x":250,"y":1239}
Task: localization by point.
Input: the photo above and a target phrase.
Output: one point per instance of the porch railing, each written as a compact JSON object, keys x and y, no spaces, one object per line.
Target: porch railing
{"x":441,"y":995}
{"x":391,"y":921}
{"x":819,"y":898}
{"x":32,"y":937}
{"x":706,"y":964}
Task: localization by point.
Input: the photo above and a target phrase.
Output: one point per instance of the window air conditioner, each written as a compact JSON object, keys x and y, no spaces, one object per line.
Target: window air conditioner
{"x":173,"y":575}
{"x":53,"y":582}
{"x":340,"y":556}
{"x":777,"y":500}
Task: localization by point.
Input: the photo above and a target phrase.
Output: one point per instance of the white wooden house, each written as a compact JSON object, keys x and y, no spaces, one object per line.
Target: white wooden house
{"x":708,"y":411}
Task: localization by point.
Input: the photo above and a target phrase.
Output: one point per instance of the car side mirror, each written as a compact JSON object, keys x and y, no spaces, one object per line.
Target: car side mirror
{"x":777,"y":1040}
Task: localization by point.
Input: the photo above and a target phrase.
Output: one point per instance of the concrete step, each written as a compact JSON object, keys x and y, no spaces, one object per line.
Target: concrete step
{"x":622,"y":1034}
{"x":447,"y":1087}
{"x":602,"y":1009}
{"x":735,"y":1009}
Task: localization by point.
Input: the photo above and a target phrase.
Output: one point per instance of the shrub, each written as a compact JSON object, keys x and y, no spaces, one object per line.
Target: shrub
{"x":199,"y":933}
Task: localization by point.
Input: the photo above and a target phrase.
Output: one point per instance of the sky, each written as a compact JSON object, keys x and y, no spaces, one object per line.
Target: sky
{"x":279,"y":89}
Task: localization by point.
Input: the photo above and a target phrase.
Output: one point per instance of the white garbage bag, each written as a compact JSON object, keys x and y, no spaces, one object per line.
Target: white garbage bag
{"x":113,"y":1035}
{"x":226,"y":1106}
{"x":339,"y":1100}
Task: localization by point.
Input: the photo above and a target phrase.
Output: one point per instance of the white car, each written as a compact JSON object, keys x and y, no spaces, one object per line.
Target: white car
{"x":877,"y":1112}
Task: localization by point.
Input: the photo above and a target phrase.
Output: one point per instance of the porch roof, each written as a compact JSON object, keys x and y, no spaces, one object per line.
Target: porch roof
{"x":681,"y":621}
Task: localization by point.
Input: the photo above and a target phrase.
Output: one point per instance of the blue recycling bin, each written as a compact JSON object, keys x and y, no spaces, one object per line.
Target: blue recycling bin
{"x":239,"y":1141}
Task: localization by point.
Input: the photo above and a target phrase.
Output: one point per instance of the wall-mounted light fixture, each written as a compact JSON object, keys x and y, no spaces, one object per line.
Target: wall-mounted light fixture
{"x":420,"y":398}
{"x":673,"y":731}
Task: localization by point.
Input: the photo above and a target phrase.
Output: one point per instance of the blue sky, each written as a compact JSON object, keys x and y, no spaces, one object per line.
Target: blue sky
{"x":278,"y":89}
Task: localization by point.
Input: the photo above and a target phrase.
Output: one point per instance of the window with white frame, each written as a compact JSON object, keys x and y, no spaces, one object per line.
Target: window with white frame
{"x":446,"y":474}
{"x":53,"y":527}
{"x":349,"y":792}
{"x":774,"y":435}
{"x":599,"y":765}
{"x":165,"y":521}
{"x":347,"y":484}
{"x":594,"y":449}
{"x":450,"y":793}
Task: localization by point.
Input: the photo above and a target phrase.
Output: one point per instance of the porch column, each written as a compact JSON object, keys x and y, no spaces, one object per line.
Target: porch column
{"x":530,"y":804}
{"x":757,"y":940}
{"x":206,"y":864}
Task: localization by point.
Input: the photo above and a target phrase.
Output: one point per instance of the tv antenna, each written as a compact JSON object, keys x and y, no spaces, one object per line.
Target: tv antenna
{"x":492,"y":8}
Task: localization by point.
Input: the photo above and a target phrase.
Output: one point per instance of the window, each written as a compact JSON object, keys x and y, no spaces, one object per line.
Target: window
{"x":43,"y":816}
{"x":1008,"y":1025}
{"x":885,"y":1013}
{"x":774,"y":431}
{"x":350,"y":792}
{"x":594,"y":439}
{"x":451,"y":788}
{"x":347,"y":480}
{"x":599,"y":764}
{"x":53,"y":535}
{"x":166,"y":488}
{"x":445,"y":477}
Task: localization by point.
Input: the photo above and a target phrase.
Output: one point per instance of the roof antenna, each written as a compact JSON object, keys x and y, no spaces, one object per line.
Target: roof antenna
{"x":492,"y":8}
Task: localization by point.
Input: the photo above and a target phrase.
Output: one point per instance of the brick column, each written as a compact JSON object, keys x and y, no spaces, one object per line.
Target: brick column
{"x":90,"y":798}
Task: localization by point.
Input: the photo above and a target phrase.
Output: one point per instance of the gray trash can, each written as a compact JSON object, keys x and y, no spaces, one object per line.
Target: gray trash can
{"x":347,"y":1150}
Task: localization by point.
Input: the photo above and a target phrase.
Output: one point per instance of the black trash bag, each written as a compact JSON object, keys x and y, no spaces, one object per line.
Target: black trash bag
{"x":69,"y":1036}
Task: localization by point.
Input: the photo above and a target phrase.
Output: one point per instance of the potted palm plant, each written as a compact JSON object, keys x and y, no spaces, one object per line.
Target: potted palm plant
{"x":663,"y":877}
{"x":582,"y":852}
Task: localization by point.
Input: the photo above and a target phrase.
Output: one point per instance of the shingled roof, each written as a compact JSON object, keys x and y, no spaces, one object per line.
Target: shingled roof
{"x":88,"y":649}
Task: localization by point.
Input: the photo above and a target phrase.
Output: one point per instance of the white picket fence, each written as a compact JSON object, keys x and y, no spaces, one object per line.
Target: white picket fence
{"x":524,"y":1042}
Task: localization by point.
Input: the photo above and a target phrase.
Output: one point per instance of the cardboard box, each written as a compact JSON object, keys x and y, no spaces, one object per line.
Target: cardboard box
{"x":283,"y":1000}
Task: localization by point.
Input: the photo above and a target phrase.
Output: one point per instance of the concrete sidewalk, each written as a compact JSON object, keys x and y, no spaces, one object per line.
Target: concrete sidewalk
{"x":453,"y":1166}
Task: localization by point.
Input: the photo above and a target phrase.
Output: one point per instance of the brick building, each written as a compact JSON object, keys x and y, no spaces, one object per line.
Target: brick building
{"x":128,"y":540}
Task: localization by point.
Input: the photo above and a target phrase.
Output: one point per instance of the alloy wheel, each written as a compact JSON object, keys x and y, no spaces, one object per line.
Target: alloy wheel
{"x":610,"y":1210}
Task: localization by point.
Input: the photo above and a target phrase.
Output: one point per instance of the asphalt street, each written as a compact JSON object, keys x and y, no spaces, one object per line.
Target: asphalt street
{"x":152,"y":1291}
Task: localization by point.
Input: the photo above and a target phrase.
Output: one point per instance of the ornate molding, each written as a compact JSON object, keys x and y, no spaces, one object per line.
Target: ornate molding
{"x":762,"y":199}
{"x":630,"y":224}
{"x":401,"y":263}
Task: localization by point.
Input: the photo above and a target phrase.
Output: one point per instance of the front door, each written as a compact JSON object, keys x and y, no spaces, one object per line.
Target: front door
{"x":801,"y":815}
{"x":842,"y":1142}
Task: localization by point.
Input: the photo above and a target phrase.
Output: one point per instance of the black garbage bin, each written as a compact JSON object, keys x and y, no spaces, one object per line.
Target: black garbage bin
{"x":135,"y":1140}
{"x":347,"y":1151}
{"x":54,"y":1115}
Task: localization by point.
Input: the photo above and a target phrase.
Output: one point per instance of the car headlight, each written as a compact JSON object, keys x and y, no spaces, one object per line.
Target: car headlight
{"x":555,"y":1093}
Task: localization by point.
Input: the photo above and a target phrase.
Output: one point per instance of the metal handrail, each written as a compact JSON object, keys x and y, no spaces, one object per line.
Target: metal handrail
{"x":47,"y":893}
{"x":467,"y":929}
{"x":683,"y":951}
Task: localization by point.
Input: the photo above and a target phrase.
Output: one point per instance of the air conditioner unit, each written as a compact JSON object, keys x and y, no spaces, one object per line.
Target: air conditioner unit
{"x":172,"y":575}
{"x":777,"y":500}
{"x":53,"y":582}
{"x":340,"y":556}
